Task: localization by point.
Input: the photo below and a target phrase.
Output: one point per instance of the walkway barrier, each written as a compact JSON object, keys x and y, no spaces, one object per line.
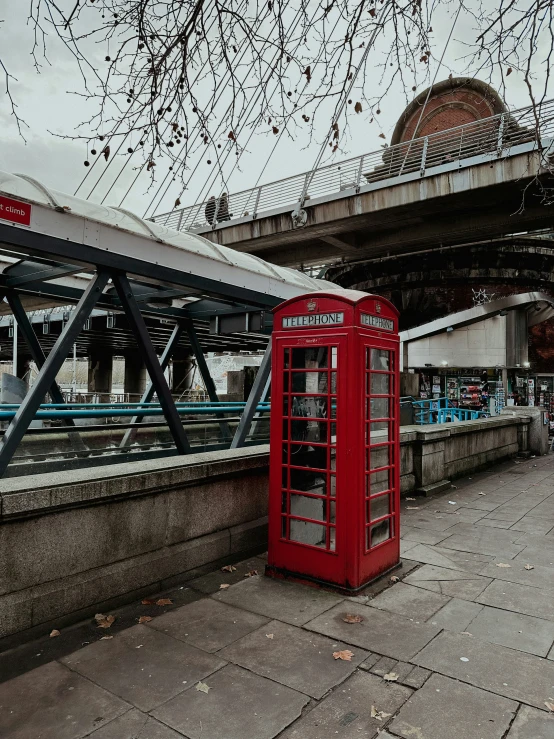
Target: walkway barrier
{"x":440,"y":410}
{"x":495,"y":136}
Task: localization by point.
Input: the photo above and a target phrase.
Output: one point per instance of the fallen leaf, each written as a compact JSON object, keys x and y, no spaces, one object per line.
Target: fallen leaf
{"x":549,"y":705}
{"x":345,"y":655}
{"x":148,"y":602}
{"x":228,"y":568}
{"x":164,"y":602}
{"x":224,"y":586}
{"x":202,"y":687}
{"x":391,"y":677}
{"x":394,"y":578}
{"x":382,"y":136}
{"x":502,"y":564}
{"x":529,"y":567}
{"x":481,"y":493}
{"x":379,"y":715}
{"x":466,"y":633}
{"x":104,"y":622}
{"x":106,"y":637}
{"x":144,"y":619}
{"x":252,"y":573}
{"x":358,"y":107}
{"x":508,"y":71}
{"x":352,"y":618}
{"x":452,"y":502}
{"x":269,"y":636}
{"x":412,"y":508}
{"x":54,"y":633}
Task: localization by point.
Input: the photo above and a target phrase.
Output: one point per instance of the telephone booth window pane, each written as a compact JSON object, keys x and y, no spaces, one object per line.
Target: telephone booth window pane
{"x":309,"y":382}
{"x":312,"y":406}
{"x":284,"y":527}
{"x":333,"y":382}
{"x":380,"y":360}
{"x":379,"y":532}
{"x":305,"y":532}
{"x":284,"y":476}
{"x":379,"y":426}
{"x":379,"y":507}
{"x":285,"y":428}
{"x":379,"y":384}
{"x":334,"y":351}
{"x":316,"y":431}
{"x":284,"y":500}
{"x":286,"y":359}
{"x":378,"y":457}
{"x":308,"y":482}
{"x":379,"y":482}
{"x":285,"y":382}
{"x":304,"y":455}
{"x":312,"y":358}
{"x":333,"y":512}
{"x":333,"y":485}
{"x":306,"y":507}
{"x":333,"y":540}
{"x":379,"y":408}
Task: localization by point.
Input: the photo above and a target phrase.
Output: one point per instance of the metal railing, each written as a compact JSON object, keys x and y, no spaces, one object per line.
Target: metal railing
{"x":440,"y":410}
{"x":494,"y":136}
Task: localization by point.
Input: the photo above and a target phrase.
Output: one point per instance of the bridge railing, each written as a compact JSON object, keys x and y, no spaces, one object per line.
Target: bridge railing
{"x":494,"y":136}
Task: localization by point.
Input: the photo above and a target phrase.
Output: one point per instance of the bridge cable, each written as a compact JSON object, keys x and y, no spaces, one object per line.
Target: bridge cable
{"x":246,"y":112}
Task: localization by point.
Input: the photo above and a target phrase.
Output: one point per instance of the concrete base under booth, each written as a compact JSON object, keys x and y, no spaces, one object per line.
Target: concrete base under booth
{"x":75,"y":542}
{"x":278,"y":573}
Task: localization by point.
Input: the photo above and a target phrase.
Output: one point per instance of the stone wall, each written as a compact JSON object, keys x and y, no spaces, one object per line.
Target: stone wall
{"x":75,"y":542}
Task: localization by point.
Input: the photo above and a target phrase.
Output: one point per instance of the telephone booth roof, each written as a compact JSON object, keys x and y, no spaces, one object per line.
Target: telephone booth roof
{"x":352,"y":297}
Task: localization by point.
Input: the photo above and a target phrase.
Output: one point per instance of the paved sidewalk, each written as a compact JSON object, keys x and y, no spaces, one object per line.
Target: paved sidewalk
{"x":460,"y":648}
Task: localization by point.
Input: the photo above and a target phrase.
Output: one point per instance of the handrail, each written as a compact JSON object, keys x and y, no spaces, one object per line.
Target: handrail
{"x":493,"y":136}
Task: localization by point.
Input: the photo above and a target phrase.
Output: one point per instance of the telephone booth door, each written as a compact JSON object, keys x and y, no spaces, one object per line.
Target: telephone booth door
{"x":304,"y":515}
{"x":380,"y":541}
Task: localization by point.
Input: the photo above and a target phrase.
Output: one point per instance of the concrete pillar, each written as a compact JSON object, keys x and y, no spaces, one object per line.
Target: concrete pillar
{"x":135,"y":377}
{"x":23,"y":368}
{"x":182,"y":373}
{"x":100,"y":375}
{"x":537,"y":434}
{"x":517,"y":338}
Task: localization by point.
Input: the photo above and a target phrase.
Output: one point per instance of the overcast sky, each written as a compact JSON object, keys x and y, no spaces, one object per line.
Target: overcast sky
{"x":46,"y":104}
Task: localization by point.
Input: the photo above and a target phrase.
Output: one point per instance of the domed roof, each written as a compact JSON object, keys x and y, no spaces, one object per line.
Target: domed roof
{"x":452,"y":103}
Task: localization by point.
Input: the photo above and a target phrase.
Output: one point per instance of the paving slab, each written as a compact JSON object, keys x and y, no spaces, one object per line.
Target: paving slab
{"x":135,"y":725}
{"x":238,"y":705}
{"x":143,"y":666}
{"x":498,"y":537}
{"x":295,"y":604}
{"x":211,"y":582}
{"x":208,"y":625}
{"x":495,"y":524}
{"x":415,"y":603}
{"x":515,"y":630}
{"x":52,"y":702}
{"x":538,"y":577}
{"x":346,"y":712}
{"x":405,"y":546}
{"x":542,"y":554}
{"x":424,"y":519}
{"x":382,"y":632}
{"x":421,"y":536}
{"x":450,"y":558}
{"x":481,"y":542}
{"x":456,"y":615}
{"x":452,"y":583}
{"x":417,"y":677}
{"x":532,"y":724}
{"x":291,"y":656}
{"x":519,"y":598}
{"x":521,"y":677}
{"x":470,"y":713}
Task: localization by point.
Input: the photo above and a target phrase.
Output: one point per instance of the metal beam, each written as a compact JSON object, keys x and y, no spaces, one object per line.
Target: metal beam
{"x":34,"y":346}
{"x":206,"y":377}
{"x":20,"y":423}
{"x":149,"y":392}
{"x":340,"y":244}
{"x":146,"y":348}
{"x":260,"y":384}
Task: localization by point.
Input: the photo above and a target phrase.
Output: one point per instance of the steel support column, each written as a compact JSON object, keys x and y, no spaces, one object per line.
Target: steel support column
{"x":52,"y":365}
{"x":39,"y":358}
{"x":145,"y":346}
{"x":260,"y":384}
{"x":206,"y":377}
{"x":149,"y":392}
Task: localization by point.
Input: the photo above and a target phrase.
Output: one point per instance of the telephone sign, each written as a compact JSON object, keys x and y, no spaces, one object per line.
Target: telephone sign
{"x":335,"y":455}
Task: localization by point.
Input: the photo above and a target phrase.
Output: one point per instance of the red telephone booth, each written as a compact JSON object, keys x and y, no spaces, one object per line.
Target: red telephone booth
{"x":335,"y":450}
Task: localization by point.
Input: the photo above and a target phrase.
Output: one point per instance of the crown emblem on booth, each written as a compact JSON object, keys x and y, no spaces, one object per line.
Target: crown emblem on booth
{"x":311,"y":305}
{"x":378,"y":307}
